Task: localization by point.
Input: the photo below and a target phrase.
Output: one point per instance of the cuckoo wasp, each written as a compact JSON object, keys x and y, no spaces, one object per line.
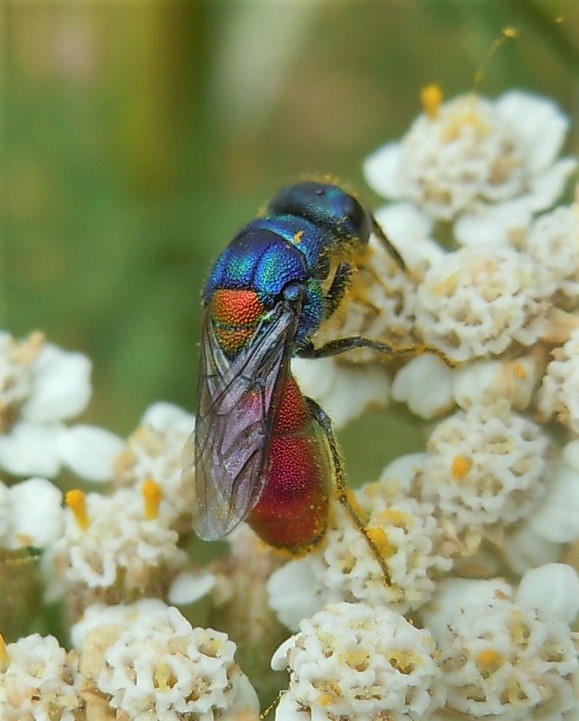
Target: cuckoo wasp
{"x":261,"y":451}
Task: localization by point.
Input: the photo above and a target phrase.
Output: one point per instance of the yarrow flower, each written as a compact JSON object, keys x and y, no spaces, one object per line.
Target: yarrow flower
{"x":479,"y":301}
{"x":552,"y":240}
{"x":483,"y":466}
{"x":490,"y":163}
{"x":41,"y":386}
{"x":39,"y":680}
{"x":345,"y":569}
{"x":163,"y":669}
{"x":111,"y":549}
{"x":359,"y":662}
{"x":504,"y":655}
{"x":154,"y":451}
{"x":482,"y":316}
{"x":560,"y":387}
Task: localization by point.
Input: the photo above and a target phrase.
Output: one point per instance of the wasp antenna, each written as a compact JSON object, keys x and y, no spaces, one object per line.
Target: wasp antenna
{"x":507,"y":34}
{"x":383,"y":238}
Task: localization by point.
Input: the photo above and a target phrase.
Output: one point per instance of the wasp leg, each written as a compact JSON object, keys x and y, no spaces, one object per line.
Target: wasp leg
{"x":341,"y":345}
{"x":325,"y":424}
{"x":377,"y":230}
{"x":340,"y":284}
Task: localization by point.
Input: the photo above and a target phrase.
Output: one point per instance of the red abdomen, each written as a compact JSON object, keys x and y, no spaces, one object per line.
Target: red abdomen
{"x":293,"y":509}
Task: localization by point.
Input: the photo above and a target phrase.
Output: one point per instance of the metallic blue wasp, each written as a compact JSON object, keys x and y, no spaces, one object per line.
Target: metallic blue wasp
{"x":261,"y":451}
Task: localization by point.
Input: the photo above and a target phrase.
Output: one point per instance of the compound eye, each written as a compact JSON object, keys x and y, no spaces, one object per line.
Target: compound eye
{"x":357,"y":217}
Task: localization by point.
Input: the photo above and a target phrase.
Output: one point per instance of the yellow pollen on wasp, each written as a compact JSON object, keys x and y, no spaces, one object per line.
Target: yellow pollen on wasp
{"x":460,"y":467}
{"x":489,"y":659}
{"x":431,"y":98}
{"x":298,"y":237}
{"x":519,"y":371}
{"x":76,"y":501}
{"x":4,"y":657}
{"x":152,"y":495}
{"x":380,"y":539}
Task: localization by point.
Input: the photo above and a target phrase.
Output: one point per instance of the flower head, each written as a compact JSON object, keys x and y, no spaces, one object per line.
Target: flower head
{"x":359,"y":662}
{"x":504,"y":660}
{"x":484,"y":465}
{"x":110,"y":551}
{"x":39,"y":680}
{"x":478,"y":301}
{"x":560,"y":389}
{"x":154,"y":451}
{"x":404,"y":531}
{"x":553,"y":242}
{"x":41,"y":386}
{"x":474,"y":156}
{"x":163,"y":669}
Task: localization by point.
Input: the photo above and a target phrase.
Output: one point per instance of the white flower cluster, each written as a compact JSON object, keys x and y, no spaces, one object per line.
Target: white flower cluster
{"x":506,"y":655}
{"x":38,"y":680}
{"x":361,"y":662}
{"x":490,"y":172}
{"x":405,"y":532}
{"x":490,"y":653}
{"x":477,"y":160}
{"x":484,"y":466}
{"x":493,"y":313}
{"x":479,"y":301}
{"x":484,"y":325}
{"x":110,"y":550}
{"x":150,"y":664}
{"x":41,"y":387}
{"x":559,"y":392}
{"x":154,"y":451}
{"x":140,"y":663}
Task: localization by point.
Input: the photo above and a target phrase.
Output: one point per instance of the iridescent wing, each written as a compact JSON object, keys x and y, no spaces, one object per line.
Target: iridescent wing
{"x":227,"y":457}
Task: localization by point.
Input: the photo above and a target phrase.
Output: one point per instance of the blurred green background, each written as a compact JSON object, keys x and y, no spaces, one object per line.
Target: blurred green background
{"x":138,"y":136}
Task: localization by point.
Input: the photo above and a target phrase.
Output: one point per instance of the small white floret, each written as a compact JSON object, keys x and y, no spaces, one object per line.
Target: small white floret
{"x":89,"y":451}
{"x":559,"y":393}
{"x":36,"y":514}
{"x":553,"y":589}
{"x":425,"y":384}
